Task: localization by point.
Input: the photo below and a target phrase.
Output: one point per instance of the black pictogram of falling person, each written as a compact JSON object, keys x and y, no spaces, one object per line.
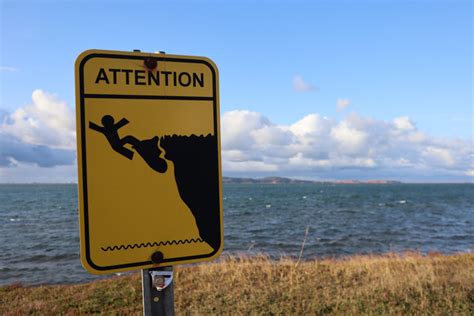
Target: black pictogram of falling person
{"x":196,"y":171}
{"x":148,"y":148}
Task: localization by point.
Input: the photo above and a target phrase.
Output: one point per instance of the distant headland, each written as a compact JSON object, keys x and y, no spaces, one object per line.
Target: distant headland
{"x":282,"y":180}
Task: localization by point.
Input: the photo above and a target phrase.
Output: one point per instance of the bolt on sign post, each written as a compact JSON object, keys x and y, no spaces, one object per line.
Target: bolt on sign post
{"x":150,"y":192}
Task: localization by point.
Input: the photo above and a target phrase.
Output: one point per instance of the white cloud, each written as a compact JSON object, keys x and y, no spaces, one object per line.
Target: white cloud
{"x":13,"y":151}
{"x":8,"y":69}
{"x":349,"y":140}
{"x":48,"y":121}
{"x":311,"y":125}
{"x":438,"y":156}
{"x":28,"y":173}
{"x":41,"y":137}
{"x":403,"y":123}
{"x":252,"y":143}
{"x":302,"y":86}
{"x":271,"y":136}
{"x":342,"y":104}
{"x":245,"y":166}
{"x":237,"y":126}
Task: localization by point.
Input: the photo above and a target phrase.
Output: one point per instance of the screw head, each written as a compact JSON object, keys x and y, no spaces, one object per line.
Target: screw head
{"x":157,"y":257}
{"x":151,"y":63}
{"x":159,"y":282}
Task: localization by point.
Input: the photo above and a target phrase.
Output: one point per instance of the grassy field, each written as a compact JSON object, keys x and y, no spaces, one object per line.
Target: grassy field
{"x":387,"y":284}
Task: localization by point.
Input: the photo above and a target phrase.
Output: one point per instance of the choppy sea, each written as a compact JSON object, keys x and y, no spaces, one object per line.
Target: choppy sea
{"x":39,"y":230}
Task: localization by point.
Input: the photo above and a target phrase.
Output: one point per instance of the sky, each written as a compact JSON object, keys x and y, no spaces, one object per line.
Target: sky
{"x":321,"y":90}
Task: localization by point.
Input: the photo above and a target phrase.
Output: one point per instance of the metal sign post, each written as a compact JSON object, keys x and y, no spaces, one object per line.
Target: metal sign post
{"x":148,"y":140}
{"x":157,"y":288}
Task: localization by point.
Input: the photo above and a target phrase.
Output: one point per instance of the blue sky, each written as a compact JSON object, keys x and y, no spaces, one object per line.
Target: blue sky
{"x":345,"y":89}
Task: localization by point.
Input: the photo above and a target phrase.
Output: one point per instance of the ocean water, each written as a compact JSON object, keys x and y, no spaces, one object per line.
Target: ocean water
{"x":39,"y":230}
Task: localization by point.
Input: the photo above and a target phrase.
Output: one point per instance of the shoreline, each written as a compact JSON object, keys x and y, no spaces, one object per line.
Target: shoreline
{"x":291,"y":181}
{"x":389,"y":283}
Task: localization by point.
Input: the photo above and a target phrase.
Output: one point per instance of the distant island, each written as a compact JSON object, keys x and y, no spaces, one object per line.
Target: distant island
{"x":282,"y":180}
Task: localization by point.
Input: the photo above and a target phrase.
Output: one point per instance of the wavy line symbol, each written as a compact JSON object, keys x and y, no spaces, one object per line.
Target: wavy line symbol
{"x":152,"y":244}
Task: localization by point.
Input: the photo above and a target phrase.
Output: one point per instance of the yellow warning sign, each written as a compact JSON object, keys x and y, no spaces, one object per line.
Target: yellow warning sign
{"x":149,"y":160}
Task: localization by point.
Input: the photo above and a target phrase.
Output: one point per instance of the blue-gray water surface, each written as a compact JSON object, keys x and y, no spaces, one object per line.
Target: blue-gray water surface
{"x":39,"y":240}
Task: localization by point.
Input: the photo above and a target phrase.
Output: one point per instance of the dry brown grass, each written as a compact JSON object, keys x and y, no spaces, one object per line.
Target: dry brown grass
{"x":389,"y":284}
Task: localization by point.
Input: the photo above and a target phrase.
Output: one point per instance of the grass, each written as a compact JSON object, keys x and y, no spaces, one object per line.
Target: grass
{"x":385,"y":284}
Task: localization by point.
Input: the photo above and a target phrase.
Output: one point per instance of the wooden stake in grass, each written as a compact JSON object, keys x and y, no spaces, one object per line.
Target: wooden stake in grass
{"x":302,"y":246}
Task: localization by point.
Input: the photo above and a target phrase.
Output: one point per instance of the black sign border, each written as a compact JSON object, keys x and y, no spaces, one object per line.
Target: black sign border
{"x":83,"y":96}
